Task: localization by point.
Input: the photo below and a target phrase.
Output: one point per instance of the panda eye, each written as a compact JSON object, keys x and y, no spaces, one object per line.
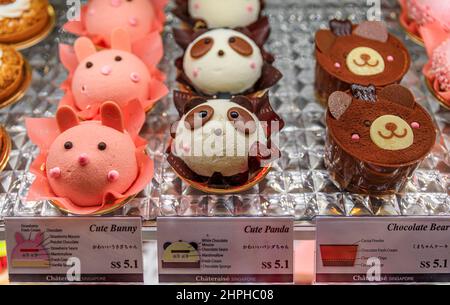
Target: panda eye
{"x":68,"y":145}
{"x":240,"y":45}
{"x":242,"y":120}
{"x":89,"y":65}
{"x":118,"y":58}
{"x":202,"y":114}
{"x":101,"y":146}
{"x":202,"y":47}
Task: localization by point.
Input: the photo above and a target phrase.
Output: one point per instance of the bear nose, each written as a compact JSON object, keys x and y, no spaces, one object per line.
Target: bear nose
{"x":106,"y":70}
{"x":391,"y":126}
{"x":365,"y":57}
{"x":116,"y":3}
{"x":221,"y":53}
{"x":218,"y":132}
{"x":83,"y":159}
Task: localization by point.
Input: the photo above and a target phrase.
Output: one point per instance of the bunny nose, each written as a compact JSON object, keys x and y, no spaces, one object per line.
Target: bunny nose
{"x":391,"y":126}
{"x":83,"y":159}
{"x":116,"y":3}
{"x":365,"y":57}
{"x":106,"y":70}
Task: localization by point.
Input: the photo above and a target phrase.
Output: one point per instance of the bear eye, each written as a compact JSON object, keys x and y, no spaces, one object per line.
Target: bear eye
{"x":68,"y":145}
{"x":101,"y":146}
{"x":89,"y":65}
{"x":118,"y":58}
{"x":367,"y":123}
{"x":202,"y":47}
{"x":240,"y":45}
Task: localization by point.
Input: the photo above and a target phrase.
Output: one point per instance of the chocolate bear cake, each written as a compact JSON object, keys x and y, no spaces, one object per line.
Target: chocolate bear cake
{"x":376,"y":138}
{"x":357,"y":54}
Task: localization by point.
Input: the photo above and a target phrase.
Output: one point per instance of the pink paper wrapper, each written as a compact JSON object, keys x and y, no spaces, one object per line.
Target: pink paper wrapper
{"x":43,"y":131}
{"x":78,"y":27}
{"x":149,"y":50}
{"x":434,"y":36}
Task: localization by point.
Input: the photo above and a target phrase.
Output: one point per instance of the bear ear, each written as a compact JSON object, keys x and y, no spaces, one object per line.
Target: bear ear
{"x":84,"y":48}
{"x":324,"y":40}
{"x":112,"y":116}
{"x":244,"y":102}
{"x":338,"y":103}
{"x":373,"y":30}
{"x":120,"y":40}
{"x":66,"y":118}
{"x":398,"y":94}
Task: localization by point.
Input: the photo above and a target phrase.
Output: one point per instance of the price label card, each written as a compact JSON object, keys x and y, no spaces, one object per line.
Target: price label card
{"x":224,"y":249}
{"x":383,"y":249}
{"x":74,"y":249}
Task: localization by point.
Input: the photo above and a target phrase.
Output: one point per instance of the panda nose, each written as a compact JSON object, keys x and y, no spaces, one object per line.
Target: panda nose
{"x":83,"y":159}
{"x":221,"y":53}
{"x":218,"y":132}
{"x":106,"y":70}
{"x":391,"y":126}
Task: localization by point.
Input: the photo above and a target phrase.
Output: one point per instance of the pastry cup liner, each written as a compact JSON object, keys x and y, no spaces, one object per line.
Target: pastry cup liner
{"x":23,"y":87}
{"x":40,"y":36}
{"x":409,"y":26}
{"x":78,"y":27}
{"x":439,"y":98}
{"x":44,"y":131}
{"x":181,"y":11}
{"x":5,"y":147}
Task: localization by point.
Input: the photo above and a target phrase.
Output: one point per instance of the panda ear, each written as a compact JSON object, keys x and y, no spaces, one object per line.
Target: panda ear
{"x":120,"y":40}
{"x":183,"y":37}
{"x":180,"y":100}
{"x":194,"y":102}
{"x":324,"y":40}
{"x":194,"y":245}
{"x":112,"y":116}
{"x":66,"y":118}
{"x":373,"y":30}
{"x":166,"y":245}
{"x":398,"y":94}
{"x":244,"y":102}
{"x":338,"y":103}
{"x":84,"y":48}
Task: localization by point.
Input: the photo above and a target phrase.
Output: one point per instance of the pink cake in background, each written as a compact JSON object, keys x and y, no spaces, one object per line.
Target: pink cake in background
{"x":98,"y":17}
{"x":417,"y":13}
{"x":113,"y":74}
{"x":91,"y":166}
{"x":437,"y":70}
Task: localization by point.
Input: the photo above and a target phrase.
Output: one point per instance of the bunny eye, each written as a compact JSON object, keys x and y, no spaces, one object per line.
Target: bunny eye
{"x":68,"y":145}
{"x":101,"y":146}
{"x":240,"y":45}
{"x":201,"y":47}
{"x":118,"y":58}
{"x":89,"y":65}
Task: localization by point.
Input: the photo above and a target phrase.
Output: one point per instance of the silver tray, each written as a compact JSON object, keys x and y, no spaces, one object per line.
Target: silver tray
{"x":298,"y":184}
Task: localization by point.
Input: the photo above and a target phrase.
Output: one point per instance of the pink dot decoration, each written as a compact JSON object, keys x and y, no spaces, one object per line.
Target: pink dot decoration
{"x":390,"y":58}
{"x":355,"y":137}
{"x":55,"y":172}
{"x":133,"y":21}
{"x":337,"y":65}
{"x":415,"y":125}
{"x":113,"y":176}
{"x":135,"y":77}
{"x":116,"y":3}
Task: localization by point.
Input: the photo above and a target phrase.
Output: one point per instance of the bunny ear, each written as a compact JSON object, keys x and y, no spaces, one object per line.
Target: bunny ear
{"x":120,"y":40}
{"x":112,"y":116}
{"x":39,"y":237}
{"x":66,"y":118}
{"x":68,"y":57}
{"x":84,"y":48}
{"x":338,"y":103}
{"x":19,"y":238}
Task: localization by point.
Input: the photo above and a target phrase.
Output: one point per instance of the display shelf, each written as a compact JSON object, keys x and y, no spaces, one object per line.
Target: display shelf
{"x":298,"y":184}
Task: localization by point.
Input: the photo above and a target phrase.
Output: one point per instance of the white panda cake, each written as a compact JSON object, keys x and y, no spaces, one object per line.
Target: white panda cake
{"x":222,"y":139}
{"x":225,"y":14}
{"x":223,"y":61}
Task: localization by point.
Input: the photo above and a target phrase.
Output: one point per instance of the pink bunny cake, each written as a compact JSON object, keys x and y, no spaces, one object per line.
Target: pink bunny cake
{"x":418,"y":13}
{"x":437,"y":70}
{"x":91,"y":166}
{"x":113,"y":74}
{"x":98,"y":17}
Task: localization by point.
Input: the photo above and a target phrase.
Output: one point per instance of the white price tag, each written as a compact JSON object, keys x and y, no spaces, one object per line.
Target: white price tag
{"x":74,"y":249}
{"x":383,"y":249}
{"x":223,"y":249}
